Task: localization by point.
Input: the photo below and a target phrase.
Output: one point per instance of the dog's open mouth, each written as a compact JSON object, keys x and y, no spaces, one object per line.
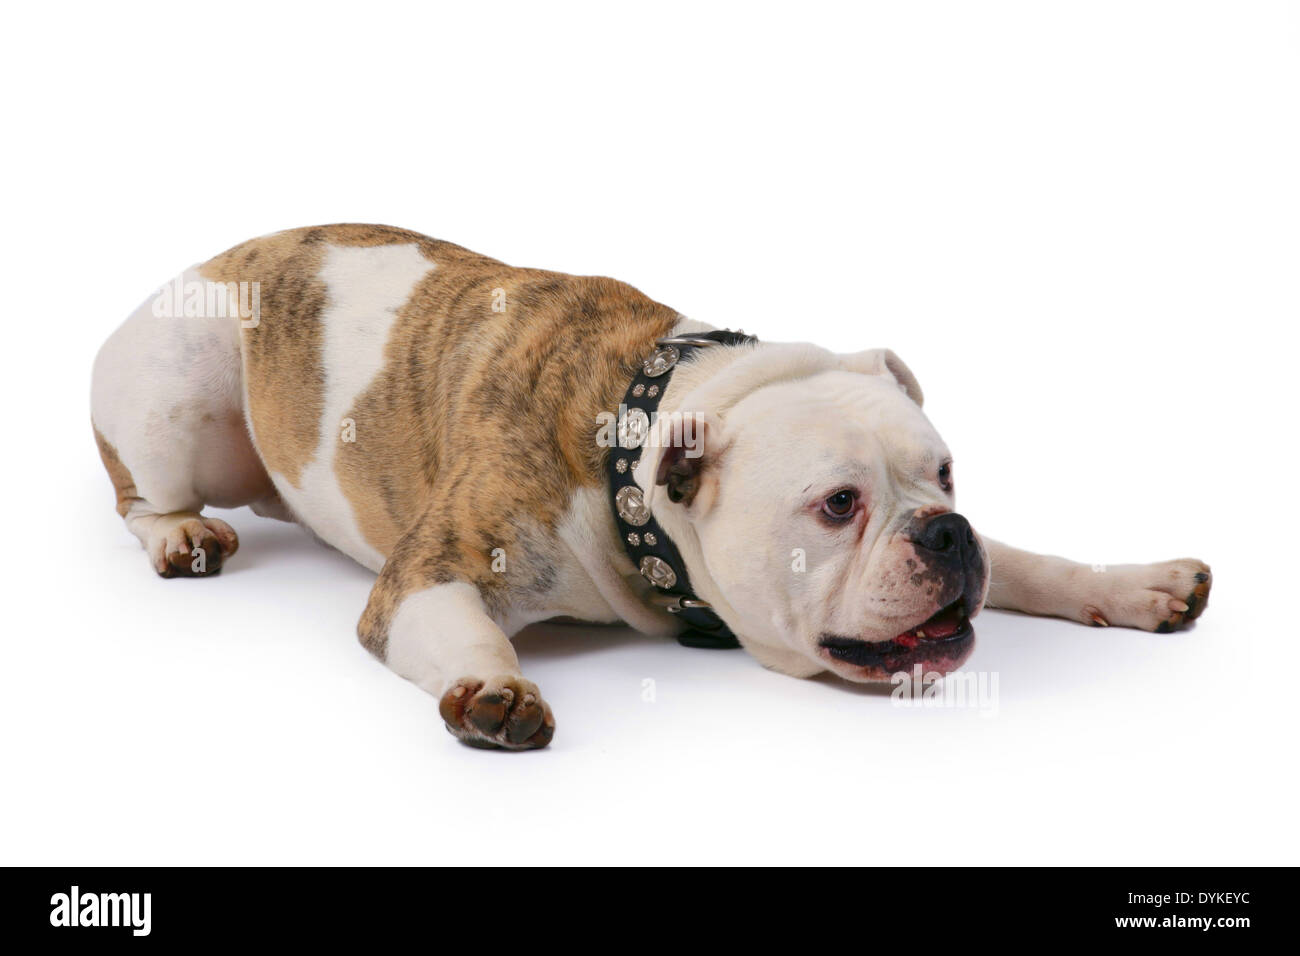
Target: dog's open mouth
{"x":940,"y":643}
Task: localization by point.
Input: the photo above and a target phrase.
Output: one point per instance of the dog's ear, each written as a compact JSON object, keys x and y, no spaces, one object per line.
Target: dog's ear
{"x":681,"y":448}
{"x":885,"y":362}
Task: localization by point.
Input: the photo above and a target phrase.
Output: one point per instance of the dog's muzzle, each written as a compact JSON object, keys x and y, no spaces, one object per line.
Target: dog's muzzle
{"x":951,"y":554}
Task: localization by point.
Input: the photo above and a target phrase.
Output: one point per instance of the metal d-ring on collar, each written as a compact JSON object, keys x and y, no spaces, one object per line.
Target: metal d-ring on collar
{"x":651,"y":550}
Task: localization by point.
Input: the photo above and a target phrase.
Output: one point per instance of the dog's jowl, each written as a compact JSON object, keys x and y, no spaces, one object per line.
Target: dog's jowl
{"x":506,"y":445}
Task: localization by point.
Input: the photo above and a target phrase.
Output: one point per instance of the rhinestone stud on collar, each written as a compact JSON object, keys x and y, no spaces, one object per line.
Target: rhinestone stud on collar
{"x":630,"y":505}
{"x":657,"y":572}
{"x":633,"y":428}
{"x":660,"y":361}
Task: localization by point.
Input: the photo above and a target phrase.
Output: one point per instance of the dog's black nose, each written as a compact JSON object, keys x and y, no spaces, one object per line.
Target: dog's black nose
{"x":954,"y":552}
{"x":947,"y":534}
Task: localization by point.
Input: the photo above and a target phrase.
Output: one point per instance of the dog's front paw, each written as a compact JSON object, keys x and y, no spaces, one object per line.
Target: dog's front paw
{"x":1154,"y":597}
{"x":506,"y":712}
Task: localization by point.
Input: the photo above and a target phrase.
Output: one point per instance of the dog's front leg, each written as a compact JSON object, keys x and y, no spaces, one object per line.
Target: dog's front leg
{"x":1153,"y":597}
{"x":440,"y":636}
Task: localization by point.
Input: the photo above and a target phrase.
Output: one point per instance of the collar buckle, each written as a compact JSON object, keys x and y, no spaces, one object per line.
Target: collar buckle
{"x":695,"y":341}
{"x":688,"y":604}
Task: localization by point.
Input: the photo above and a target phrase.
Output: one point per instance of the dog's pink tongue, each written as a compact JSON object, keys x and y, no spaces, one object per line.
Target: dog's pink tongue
{"x":944,"y":624}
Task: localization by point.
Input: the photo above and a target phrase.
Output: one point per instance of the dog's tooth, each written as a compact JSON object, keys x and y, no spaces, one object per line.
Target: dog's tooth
{"x":920,"y":633}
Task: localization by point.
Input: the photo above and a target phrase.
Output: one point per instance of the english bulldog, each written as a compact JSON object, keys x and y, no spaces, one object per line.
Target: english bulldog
{"x":505,"y":445}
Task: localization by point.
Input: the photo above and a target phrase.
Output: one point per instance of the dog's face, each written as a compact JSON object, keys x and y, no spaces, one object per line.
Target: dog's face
{"x":823,"y":511}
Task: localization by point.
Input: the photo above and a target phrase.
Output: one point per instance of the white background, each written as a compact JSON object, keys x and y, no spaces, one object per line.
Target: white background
{"x":1078,"y":223}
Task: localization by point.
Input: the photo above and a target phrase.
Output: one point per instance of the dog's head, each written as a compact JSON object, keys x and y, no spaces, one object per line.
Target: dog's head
{"x":815,"y":511}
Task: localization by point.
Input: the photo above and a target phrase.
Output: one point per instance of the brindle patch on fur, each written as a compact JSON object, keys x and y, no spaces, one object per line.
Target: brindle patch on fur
{"x":283,"y":377}
{"x":118,"y":473}
{"x":480,"y":426}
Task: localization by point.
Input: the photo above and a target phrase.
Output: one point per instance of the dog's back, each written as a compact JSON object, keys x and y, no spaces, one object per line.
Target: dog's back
{"x":384,"y":376}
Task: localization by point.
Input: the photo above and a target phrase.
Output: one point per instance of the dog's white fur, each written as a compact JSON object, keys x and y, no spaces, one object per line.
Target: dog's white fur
{"x":182,"y":421}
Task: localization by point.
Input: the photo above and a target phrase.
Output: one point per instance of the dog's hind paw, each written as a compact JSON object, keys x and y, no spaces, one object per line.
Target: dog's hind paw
{"x":1154,"y":597}
{"x":506,"y":712}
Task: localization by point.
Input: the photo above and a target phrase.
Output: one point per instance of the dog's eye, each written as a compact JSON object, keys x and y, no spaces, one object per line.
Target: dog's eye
{"x":839,"y":505}
{"x":945,"y":476}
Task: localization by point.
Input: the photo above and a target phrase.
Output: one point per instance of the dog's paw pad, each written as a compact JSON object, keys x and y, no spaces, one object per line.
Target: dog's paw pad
{"x":506,"y":712}
{"x":191,"y":547}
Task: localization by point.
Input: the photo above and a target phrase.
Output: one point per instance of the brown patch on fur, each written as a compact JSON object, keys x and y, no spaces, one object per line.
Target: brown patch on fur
{"x":118,"y":473}
{"x":480,"y":426}
{"x":283,"y":377}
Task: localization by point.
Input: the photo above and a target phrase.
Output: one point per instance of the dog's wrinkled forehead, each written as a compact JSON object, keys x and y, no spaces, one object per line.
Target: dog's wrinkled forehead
{"x":836,"y":420}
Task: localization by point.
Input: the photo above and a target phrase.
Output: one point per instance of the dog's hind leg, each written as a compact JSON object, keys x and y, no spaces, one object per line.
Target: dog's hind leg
{"x":1153,"y":597}
{"x":167,"y":410}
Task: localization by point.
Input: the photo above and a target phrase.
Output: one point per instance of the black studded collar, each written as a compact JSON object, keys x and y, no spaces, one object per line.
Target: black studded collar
{"x":651,"y":550}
